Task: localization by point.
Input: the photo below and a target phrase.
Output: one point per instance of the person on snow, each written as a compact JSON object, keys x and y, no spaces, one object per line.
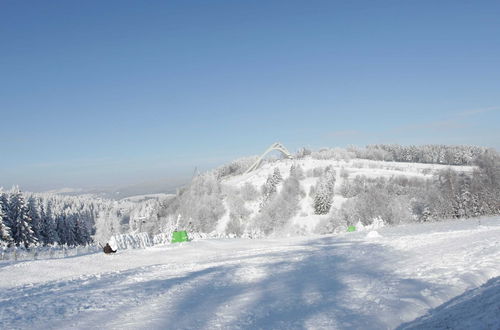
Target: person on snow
{"x":107,"y":249}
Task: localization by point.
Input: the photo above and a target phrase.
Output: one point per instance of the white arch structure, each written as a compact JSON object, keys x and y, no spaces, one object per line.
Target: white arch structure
{"x":275,"y":146}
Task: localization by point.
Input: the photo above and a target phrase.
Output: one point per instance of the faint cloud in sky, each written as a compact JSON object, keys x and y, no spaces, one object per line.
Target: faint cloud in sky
{"x":473,"y":112}
{"x":455,"y":121}
{"x":344,"y":133}
{"x":74,"y":162}
{"x":431,"y":125}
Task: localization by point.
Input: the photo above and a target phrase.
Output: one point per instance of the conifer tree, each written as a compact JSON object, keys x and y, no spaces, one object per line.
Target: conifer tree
{"x":33,"y":207}
{"x":49,"y":227}
{"x":323,"y":197}
{"x":61,"y":229}
{"x":270,"y":187}
{"x":5,"y":237}
{"x":70,"y":230}
{"x":82,"y":231}
{"x":21,"y":230}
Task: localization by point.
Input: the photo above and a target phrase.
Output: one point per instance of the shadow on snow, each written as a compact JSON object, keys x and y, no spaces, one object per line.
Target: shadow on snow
{"x":326,"y":283}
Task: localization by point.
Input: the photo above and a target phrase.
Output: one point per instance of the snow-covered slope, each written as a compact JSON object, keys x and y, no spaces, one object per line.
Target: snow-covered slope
{"x":369,"y":168}
{"x":360,"y":280}
{"x":476,"y":309}
{"x":305,"y":220}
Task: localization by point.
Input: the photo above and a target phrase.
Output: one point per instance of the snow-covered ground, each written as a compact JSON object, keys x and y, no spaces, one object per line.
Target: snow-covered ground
{"x":477,"y":308}
{"x":361,"y":280}
{"x":354,"y":167}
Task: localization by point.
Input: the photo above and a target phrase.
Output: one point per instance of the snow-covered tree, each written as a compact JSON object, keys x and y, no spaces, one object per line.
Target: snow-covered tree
{"x":107,"y":225}
{"x":281,"y":207}
{"x":5,"y":237}
{"x":20,"y":222}
{"x":238,"y":214}
{"x":200,"y":204}
{"x":297,"y":172}
{"x":248,"y":192}
{"x":49,"y":226}
{"x":82,"y":230}
{"x":324,"y":192}
{"x":33,"y":207}
{"x":270,"y":187}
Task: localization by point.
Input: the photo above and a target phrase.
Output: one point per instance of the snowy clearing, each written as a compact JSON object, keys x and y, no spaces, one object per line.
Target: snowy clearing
{"x":364,"y":279}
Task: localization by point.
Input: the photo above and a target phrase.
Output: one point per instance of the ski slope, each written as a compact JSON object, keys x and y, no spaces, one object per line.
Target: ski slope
{"x":363,"y":280}
{"x":305,"y":219}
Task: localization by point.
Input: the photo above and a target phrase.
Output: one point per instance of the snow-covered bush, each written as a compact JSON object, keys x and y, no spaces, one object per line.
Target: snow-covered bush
{"x":376,"y":202}
{"x":331,"y":224}
{"x":238,"y":215}
{"x":234,"y":227}
{"x":249,"y":192}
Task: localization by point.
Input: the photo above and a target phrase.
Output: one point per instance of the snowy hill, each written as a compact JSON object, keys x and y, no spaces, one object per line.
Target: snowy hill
{"x":305,"y":220}
{"x":314,"y":192}
{"x":361,"y":280}
{"x":323,"y":192}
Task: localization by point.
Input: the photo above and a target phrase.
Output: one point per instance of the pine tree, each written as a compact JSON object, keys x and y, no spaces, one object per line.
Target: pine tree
{"x":5,"y":237}
{"x":34,"y":214}
{"x":22,"y":232}
{"x":49,"y":227}
{"x":4,"y":205}
{"x":61,"y":229}
{"x":82,"y":231}
{"x":270,"y":187}
{"x":277,"y":178}
{"x":71,"y":230}
{"x":323,"y":197}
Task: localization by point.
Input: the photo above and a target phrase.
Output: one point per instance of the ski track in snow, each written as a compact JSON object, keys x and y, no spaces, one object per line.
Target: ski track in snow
{"x":352,"y":280}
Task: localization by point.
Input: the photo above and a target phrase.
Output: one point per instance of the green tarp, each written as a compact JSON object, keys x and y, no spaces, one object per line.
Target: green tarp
{"x":179,"y":236}
{"x":351,"y":228}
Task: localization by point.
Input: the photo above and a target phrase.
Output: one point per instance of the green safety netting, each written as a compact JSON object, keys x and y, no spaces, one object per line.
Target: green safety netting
{"x":179,"y":236}
{"x":351,"y":228}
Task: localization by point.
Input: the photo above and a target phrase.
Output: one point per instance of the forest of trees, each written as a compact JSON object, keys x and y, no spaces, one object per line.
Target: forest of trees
{"x":43,"y":220}
{"x":28,"y":219}
{"x":430,"y":154}
{"x":448,"y":195}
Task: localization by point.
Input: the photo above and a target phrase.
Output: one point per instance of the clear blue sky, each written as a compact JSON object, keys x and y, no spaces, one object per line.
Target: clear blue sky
{"x":96,"y":93}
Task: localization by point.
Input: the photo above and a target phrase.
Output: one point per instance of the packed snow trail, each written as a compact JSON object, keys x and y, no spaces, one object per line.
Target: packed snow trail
{"x":354,"y":280}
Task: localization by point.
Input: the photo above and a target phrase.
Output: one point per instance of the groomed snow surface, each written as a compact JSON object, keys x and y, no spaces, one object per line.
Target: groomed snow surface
{"x":436,"y":275}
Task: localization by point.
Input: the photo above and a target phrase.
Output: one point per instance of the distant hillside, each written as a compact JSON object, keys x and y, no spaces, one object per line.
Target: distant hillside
{"x":351,"y":177}
{"x":319,"y":192}
{"x":327,"y":190}
{"x":158,"y":187}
